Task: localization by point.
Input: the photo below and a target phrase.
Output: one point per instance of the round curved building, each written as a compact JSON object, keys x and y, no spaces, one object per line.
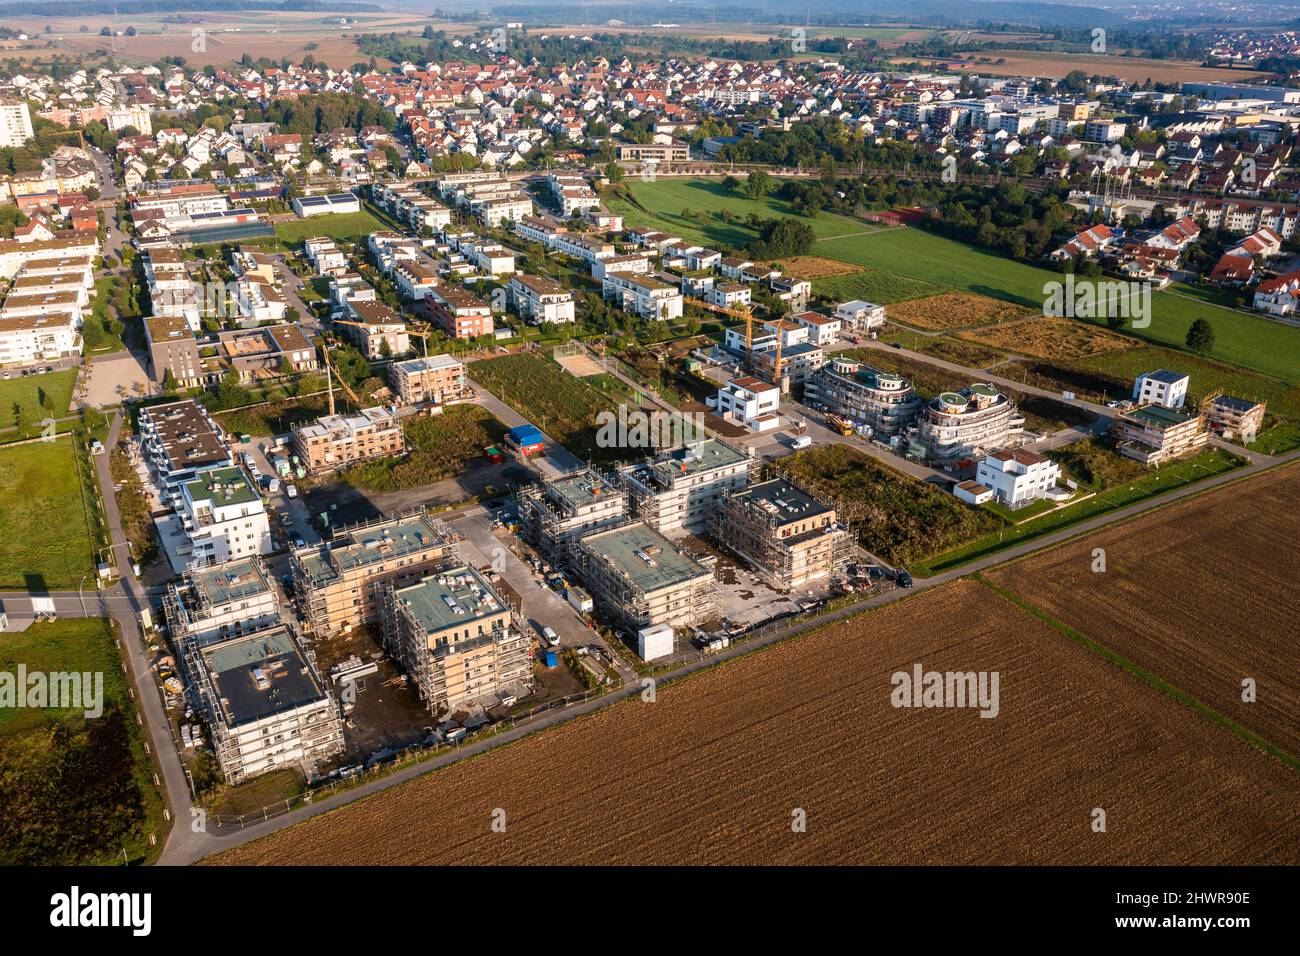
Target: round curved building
{"x":967,"y":423}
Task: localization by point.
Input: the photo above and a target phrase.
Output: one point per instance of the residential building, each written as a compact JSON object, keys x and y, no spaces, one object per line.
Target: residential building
{"x":557,"y":513}
{"x":337,"y":441}
{"x":263,"y":703}
{"x":15,"y":123}
{"x":1236,"y":419}
{"x":790,"y":538}
{"x":1154,"y":434}
{"x":180,"y":441}
{"x":1161,"y":387}
{"x":459,"y":313}
{"x":378,"y":331}
{"x":679,"y":490}
{"x":639,"y":578}
{"x":539,"y":299}
{"x":456,"y":639}
{"x":338,"y":583}
{"x":964,"y":424}
{"x":223,"y":517}
{"x":749,"y":401}
{"x":654,"y":152}
{"x":221,"y":601}
{"x":642,"y":295}
{"x":823,"y":330}
{"x":434,"y":380}
{"x":885,"y":402}
{"x":173,"y":348}
{"x":1017,"y":477}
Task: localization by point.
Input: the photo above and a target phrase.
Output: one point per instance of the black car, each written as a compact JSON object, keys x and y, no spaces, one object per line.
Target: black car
{"x":904,"y":579}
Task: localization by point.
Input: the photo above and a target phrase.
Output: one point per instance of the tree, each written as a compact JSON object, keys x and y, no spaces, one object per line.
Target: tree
{"x":758,"y":185}
{"x":614,"y":173}
{"x":1200,"y":337}
{"x":169,"y":383}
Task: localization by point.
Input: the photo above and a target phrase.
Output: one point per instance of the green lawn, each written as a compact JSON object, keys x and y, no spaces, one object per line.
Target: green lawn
{"x":74,"y":790}
{"x":56,"y":388}
{"x":45,"y":542}
{"x":349,"y":226}
{"x":660,"y":204}
{"x":1205,"y":465}
{"x":873,"y":285}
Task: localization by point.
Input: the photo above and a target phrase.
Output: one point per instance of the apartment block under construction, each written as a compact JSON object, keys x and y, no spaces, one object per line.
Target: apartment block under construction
{"x":640,"y":578}
{"x":265,"y":706}
{"x":456,"y":639}
{"x":679,"y":491}
{"x":558,"y":512}
{"x":338,"y":583}
{"x":786,"y":535}
{"x":221,"y":601}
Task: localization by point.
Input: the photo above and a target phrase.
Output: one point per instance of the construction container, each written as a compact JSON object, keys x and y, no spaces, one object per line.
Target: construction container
{"x":550,"y":659}
{"x":654,"y":642}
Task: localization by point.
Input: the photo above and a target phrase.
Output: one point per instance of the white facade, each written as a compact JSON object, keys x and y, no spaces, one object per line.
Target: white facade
{"x":643,"y":295}
{"x":859,"y":316}
{"x":224,"y":517}
{"x":1017,"y":477}
{"x":15,"y":123}
{"x":751,"y":402}
{"x":538,"y":299}
{"x":1160,"y":387}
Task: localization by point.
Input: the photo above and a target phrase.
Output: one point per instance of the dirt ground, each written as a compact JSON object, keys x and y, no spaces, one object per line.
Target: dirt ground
{"x":954,"y":310}
{"x":1049,"y":337}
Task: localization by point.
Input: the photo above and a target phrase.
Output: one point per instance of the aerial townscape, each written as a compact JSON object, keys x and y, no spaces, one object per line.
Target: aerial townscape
{"x":555,"y":435}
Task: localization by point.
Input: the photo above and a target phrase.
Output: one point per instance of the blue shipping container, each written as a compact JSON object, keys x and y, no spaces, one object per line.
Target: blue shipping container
{"x":551,"y":659}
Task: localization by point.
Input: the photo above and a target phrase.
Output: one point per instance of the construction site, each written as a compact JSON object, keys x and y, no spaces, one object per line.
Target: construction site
{"x":338,"y":583}
{"x":786,"y":535}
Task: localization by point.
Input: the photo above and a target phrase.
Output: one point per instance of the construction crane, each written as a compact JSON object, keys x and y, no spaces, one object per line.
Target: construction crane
{"x":746,"y":314}
{"x":329,"y":367}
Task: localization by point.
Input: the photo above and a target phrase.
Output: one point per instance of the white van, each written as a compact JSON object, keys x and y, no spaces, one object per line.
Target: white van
{"x":801,"y":441}
{"x":552,"y":639}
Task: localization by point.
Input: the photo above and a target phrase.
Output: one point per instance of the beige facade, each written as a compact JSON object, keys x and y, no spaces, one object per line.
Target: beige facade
{"x":336,"y":441}
{"x":433,"y":380}
{"x":338,"y":582}
{"x":790,"y":538}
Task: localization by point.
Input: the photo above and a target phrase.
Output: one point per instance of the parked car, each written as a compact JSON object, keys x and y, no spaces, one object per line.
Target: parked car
{"x":552,"y":639}
{"x":904,"y":579}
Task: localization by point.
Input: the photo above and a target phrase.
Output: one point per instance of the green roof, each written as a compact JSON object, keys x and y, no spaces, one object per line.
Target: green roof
{"x":1160,"y":416}
{"x":222,"y":486}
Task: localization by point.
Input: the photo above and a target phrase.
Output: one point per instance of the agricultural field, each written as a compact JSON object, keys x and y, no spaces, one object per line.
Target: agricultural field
{"x":1202,"y":624}
{"x":438,"y":447}
{"x":1131,"y":69}
{"x":954,"y":310}
{"x":878,"y":783}
{"x":563,"y":406}
{"x":896,"y":517}
{"x":1048,"y":337}
{"x":73,"y":790}
{"x":45,"y":540}
{"x":811,"y":267}
{"x":1268,"y":347}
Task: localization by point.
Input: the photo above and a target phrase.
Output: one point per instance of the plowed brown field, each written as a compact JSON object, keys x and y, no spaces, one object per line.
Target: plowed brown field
{"x":712,"y":772}
{"x":1202,"y":594}
{"x":1049,"y":338}
{"x":954,"y":310}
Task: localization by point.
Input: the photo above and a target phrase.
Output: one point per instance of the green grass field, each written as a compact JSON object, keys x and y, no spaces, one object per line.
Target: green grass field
{"x":913,"y":254}
{"x":662,"y":202}
{"x":338,"y":226}
{"x":27,"y":392}
{"x":73,"y":789}
{"x":44,"y":538}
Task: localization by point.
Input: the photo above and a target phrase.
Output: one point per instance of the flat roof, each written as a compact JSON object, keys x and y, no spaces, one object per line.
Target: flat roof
{"x":186,"y":434}
{"x":453,"y":597}
{"x":259,"y":675}
{"x":1159,"y":416}
{"x":1164,"y":376}
{"x":645,"y":556}
{"x":695,"y":458}
{"x":372,"y":543}
{"x":783,"y":500}
{"x":223,"y":583}
{"x":581,"y":489}
{"x":223,"y":486}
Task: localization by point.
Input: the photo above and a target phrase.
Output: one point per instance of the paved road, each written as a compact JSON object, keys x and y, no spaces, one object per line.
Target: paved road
{"x":555,"y":460}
